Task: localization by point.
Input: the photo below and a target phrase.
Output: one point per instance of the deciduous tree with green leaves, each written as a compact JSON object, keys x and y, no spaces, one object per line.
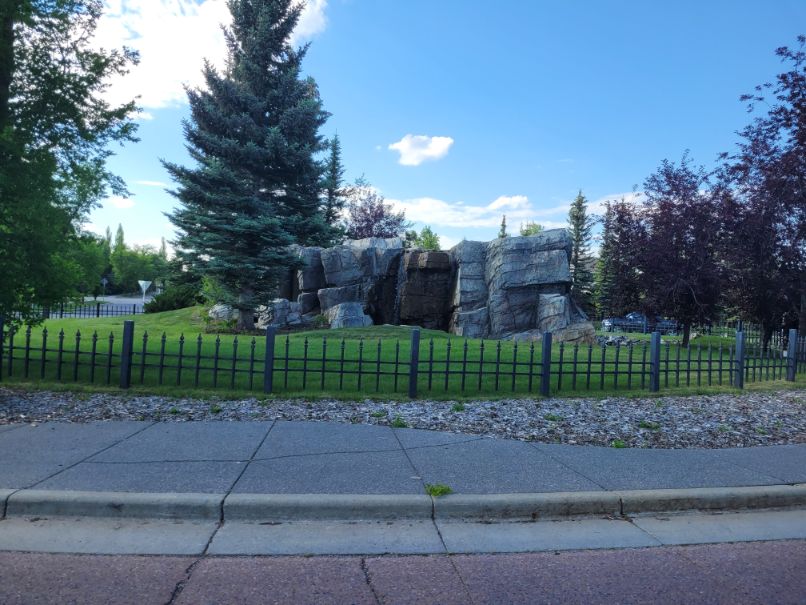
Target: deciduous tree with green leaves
{"x":254,"y":135}
{"x":56,"y":129}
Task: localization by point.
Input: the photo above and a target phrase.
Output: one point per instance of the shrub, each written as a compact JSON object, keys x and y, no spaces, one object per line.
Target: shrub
{"x":173,"y":298}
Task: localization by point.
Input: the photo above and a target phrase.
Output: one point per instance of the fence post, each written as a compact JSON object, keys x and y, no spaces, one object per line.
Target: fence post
{"x":2,"y":342}
{"x":739,"y":379}
{"x":126,"y":354}
{"x":654,"y":362}
{"x":268,"y":362}
{"x":134,"y":309}
{"x":97,"y":309}
{"x":791,"y":355}
{"x":414,"y":362}
{"x":545,"y":362}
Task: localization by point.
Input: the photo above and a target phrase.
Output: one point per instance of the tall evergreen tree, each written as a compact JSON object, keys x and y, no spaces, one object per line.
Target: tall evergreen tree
{"x":335,"y":196}
{"x":254,"y":134}
{"x":580,"y":226}
{"x":618,"y":289}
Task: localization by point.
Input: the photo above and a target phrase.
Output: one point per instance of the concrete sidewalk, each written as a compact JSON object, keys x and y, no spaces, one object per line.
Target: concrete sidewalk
{"x":331,"y":458}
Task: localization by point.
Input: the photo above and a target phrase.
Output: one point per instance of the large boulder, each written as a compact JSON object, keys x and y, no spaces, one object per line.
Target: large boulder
{"x":517,"y":271}
{"x":471,"y":324}
{"x":222,"y":312}
{"x":330,"y":297}
{"x":360,"y":260}
{"x":348,"y":315}
{"x":553,"y":312}
{"x":426,"y":289}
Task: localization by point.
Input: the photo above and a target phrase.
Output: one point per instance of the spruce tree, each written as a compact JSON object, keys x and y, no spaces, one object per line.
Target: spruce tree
{"x":580,"y":226}
{"x":334,"y":194}
{"x":503,"y":231}
{"x":254,"y":135}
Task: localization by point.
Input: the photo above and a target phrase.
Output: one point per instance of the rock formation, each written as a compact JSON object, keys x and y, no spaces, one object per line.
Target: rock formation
{"x":513,"y":287}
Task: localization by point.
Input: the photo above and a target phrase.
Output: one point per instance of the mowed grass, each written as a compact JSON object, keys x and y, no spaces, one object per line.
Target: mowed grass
{"x":177,"y":352}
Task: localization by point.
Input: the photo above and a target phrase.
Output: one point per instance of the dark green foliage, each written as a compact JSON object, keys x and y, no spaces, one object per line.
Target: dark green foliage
{"x":175,"y":297}
{"x":618,"y":287}
{"x":503,"y":231}
{"x":55,"y":131}
{"x":335,"y":196}
{"x":580,"y":226}
{"x":253,"y":133}
{"x":425,"y":240}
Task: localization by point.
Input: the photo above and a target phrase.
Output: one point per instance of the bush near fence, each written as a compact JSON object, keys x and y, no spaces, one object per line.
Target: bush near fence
{"x":274,"y":363}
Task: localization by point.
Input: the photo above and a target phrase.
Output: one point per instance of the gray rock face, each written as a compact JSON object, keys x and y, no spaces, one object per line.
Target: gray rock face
{"x":330,"y":297}
{"x":426,"y":290}
{"x":312,"y":275}
{"x":348,"y":315}
{"x":553,"y":312}
{"x":471,"y":324}
{"x":510,"y":286}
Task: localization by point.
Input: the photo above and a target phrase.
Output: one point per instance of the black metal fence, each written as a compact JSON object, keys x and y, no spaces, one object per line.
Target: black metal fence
{"x":86,"y":311}
{"x":446,"y":366}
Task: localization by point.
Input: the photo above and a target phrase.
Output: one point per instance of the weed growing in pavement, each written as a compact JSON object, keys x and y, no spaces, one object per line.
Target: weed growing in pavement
{"x":437,"y":489}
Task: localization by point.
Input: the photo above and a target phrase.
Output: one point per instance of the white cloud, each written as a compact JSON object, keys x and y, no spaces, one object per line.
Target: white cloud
{"x":416,"y":149}
{"x":173,"y":38}
{"x":121,"y":203}
{"x":597,"y":207}
{"x":151,"y":184}
{"x":431,"y":211}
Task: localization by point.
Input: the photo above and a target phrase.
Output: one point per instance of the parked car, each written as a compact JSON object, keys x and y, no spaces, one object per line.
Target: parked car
{"x":638,"y":322}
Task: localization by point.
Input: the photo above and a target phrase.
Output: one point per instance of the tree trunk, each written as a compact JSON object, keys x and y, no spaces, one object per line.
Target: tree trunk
{"x":686,"y":335}
{"x":246,"y":320}
{"x":246,"y":312}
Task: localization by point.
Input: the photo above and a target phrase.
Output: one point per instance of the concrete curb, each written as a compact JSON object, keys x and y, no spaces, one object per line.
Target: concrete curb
{"x":45,"y":503}
{"x":321,"y":507}
{"x":526,"y":506}
{"x":357,"y":507}
{"x":712,"y":498}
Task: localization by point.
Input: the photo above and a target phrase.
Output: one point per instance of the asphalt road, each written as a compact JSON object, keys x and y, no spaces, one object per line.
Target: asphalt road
{"x":756,"y":572}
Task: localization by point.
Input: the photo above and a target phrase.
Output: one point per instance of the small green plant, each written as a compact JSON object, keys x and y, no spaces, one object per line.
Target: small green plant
{"x":723,"y":428}
{"x":319,"y":321}
{"x":552,"y":417}
{"x":216,"y":409}
{"x":378,"y":414}
{"x":618,"y":444}
{"x":658,"y":404}
{"x":458,"y":407}
{"x":173,"y":411}
{"x":437,"y":489}
{"x":648,"y":424}
{"x":761,"y":430}
{"x":399,"y":423}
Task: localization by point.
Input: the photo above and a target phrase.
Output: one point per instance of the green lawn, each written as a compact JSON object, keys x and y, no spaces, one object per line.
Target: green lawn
{"x":176,"y":352}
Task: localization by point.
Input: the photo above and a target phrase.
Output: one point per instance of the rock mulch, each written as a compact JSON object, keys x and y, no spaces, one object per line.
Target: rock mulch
{"x":712,"y":421}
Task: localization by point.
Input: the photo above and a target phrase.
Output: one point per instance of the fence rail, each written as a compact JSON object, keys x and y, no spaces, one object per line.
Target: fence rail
{"x":299,"y":364}
{"x":86,"y":311}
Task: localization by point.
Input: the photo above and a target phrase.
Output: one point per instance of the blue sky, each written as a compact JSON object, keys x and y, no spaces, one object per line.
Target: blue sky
{"x":460,"y":111}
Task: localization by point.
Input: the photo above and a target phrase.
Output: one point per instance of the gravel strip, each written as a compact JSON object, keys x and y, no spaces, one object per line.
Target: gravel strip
{"x":714,"y":421}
